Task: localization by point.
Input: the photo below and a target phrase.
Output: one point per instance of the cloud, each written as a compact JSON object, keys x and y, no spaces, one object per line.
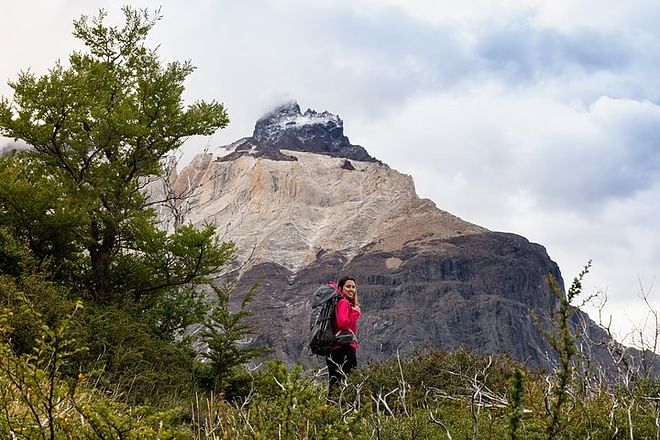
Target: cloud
{"x":585,"y":158}
{"x":7,"y":145}
{"x":329,"y":52}
{"x":520,"y":52}
{"x":562,"y":156}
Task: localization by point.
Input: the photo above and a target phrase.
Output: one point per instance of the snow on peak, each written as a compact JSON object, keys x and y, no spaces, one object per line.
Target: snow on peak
{"x":312,"y":117}
{"x":287,"y":128}
{"x":288,"y":115}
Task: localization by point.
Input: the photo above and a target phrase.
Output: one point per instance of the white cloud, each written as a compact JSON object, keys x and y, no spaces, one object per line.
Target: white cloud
{"x":566,"y":156}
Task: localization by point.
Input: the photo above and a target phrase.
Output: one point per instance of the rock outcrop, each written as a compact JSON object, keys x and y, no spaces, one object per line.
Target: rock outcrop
{"x":286,"y":128}
{"x":305,"y":206}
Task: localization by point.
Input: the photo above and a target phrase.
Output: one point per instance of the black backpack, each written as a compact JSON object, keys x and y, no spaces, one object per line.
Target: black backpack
{"x":322,"y":337}
{"x":324,"y":304}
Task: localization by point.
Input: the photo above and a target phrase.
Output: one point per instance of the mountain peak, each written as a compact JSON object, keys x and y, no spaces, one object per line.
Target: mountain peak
{"x":288,"y":117}
{"x":284,"y":111}
{"x":287,"y":128}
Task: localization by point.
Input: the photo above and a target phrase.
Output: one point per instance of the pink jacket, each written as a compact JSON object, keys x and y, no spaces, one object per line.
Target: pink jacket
{"x":346,"y":319}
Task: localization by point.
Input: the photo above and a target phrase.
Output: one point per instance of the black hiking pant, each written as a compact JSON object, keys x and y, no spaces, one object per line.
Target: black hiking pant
{"x":340,"y":362}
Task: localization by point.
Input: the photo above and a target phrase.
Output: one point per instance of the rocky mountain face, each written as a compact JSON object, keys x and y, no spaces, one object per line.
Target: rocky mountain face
{"x":305,"y":206}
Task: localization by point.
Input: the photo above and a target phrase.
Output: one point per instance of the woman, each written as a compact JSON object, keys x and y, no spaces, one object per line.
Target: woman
{"x":343,"y":357}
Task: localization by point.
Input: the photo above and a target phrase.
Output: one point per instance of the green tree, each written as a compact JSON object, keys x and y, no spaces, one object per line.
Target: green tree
{"x":516,"y":392}
{"x":562,"y":339}
{"x":75,"y":208}
{"x":42,"y":219}
{"x":227,"y":351}
{"x":99,"y":129}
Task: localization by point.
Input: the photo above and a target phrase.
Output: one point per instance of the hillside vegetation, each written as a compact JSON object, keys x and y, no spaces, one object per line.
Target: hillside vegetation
{"x":96,"y":300}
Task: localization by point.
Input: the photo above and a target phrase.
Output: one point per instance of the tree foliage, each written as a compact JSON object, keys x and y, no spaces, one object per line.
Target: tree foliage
{"x":224,"y":334}
{"x":75,"y":210}
{"x":99,"y":128}
{"x":562,"y":339}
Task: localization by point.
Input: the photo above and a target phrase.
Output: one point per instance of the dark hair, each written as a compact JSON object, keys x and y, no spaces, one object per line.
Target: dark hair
{"x":343,"y":280}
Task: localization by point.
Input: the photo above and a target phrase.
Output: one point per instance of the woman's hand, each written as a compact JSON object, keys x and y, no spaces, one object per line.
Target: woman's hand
{"x":356,"y":304}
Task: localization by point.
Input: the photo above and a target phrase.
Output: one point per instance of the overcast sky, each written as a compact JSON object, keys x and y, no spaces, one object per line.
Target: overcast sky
{"x":535,"y":117}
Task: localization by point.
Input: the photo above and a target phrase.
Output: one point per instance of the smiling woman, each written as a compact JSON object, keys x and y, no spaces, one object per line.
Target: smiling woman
{"x":343,"y":355}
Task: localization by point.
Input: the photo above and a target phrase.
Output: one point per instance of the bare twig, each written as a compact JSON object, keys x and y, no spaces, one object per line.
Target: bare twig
{"x":442,"y":425}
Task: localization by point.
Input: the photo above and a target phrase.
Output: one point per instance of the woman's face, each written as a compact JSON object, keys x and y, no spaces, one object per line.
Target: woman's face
{"x":349,"y":289}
